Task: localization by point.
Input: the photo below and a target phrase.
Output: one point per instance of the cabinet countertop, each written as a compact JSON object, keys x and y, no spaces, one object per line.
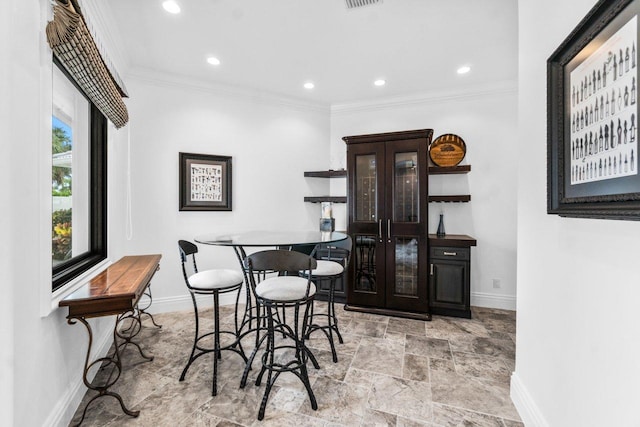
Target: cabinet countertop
{"x":457,"y":240}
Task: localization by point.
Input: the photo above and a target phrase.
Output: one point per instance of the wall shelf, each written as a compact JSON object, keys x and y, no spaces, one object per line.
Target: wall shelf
{"x":437,"y":170}
{"x":321,"y":199}
{"x":342,"y":173}
{"x":463,"y":198}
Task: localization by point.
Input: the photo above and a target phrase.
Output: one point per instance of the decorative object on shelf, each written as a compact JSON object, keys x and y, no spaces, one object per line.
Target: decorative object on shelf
{"x":440,"y":232}
{"x":327,"y":222}
{"x":447,"y":150}
{"x":205,"y":182}
{"x":592,"y":161}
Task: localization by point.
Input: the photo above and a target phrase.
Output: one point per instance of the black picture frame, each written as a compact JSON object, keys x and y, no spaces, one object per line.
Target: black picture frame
{"x":205,"y":182}
{"x":582,"y":179}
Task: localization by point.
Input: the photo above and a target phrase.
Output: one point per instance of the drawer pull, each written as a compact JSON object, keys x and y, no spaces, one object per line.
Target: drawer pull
{"x":450,"y":253}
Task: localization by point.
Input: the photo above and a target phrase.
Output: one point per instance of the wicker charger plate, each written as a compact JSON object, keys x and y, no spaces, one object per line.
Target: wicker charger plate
{"x":447,"y":150}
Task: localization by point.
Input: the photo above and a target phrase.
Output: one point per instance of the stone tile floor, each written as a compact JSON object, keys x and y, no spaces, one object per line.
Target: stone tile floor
{"x":391,"y":372}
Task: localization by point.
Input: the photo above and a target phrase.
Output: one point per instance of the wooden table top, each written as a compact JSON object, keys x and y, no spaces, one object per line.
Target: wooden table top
{"x":115,"y":290}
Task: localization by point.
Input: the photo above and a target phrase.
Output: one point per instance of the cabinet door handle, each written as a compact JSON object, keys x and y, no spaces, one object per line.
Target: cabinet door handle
{"x":380,"y":230}
{"x":450,"y":253}
{"x":431,"y":270}
{"x":389,"y":231}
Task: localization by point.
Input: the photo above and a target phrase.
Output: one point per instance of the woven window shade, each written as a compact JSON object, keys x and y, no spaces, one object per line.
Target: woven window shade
{"x":74,"y":46}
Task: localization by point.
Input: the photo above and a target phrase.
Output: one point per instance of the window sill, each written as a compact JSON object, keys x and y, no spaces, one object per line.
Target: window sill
{"x":51,"y":303}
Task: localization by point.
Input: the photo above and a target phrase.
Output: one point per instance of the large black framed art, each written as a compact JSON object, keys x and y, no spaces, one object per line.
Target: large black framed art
{"x":592,"y":116}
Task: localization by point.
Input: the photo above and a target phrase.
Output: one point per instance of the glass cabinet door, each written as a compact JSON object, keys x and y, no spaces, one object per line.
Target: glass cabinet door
{"x":365,"y":196}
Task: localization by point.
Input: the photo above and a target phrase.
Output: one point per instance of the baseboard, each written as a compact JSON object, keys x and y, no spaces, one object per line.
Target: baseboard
{"x":67,"y":405}
{"x":184,"y":303}
{"x":525,"y":405}
{"x":484,"y":299}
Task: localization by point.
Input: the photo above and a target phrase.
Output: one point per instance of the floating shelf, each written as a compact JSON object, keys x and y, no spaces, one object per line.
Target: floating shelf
{"x":321,"y":199}
{"x":451,"y":199}
{"x":327,"y":174}
{"x":437,"y":170}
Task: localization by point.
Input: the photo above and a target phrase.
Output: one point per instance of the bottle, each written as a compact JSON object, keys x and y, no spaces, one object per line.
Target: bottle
{"x":633,"y":91}
{"x":619,"y":100}
{"x":619,"y":132}
{"x":633,"y":165}
{"x":625,"y":131}
{"x":599,"y":80}
{"x":632,"y":138}
{"x":626,"y":96}
{"x":626,"y":60}
{"x":440,"y":232}
{"x":606,"y":137}
{"x":615,"y":68}
{"x":601,"y":107}
{"x":633,"y":56}
{"x":604,"y":75}
{"x":620,"y":66}
{"x":607,"y":105}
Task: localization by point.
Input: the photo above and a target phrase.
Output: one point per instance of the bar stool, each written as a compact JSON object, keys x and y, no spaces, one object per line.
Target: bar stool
{"x":210,"y":282}
{"x":331,"y":266}
{"x":282,"y":292}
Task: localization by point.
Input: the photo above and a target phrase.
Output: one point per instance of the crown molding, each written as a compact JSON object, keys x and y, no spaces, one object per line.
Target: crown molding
{"x":454,"y":94}
{"x":165,"y":79}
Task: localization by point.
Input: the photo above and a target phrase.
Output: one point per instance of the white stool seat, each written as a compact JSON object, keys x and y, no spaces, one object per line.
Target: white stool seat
{"x":216,"y":279}
{"x":284,"y":288}
{"x":326,"y":268}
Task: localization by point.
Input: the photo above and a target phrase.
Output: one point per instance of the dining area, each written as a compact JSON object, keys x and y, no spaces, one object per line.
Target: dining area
{"x":276,"y":355}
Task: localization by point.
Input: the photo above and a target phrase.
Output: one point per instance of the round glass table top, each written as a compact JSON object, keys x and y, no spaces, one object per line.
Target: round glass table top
{"x":270,"y":238}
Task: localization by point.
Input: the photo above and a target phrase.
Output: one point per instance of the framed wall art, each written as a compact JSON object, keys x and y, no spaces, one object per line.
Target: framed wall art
{"x":592,"y":116}
{"x":205,"y":182}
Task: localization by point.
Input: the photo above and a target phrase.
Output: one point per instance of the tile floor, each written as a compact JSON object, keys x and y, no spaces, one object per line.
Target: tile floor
{"x":391,"y":372}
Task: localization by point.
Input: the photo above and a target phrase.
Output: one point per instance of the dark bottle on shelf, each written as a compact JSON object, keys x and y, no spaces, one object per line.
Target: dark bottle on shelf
{"x":625,"y":131}
{"x":600,"y":140}
{"x":606,"y":137}
{"x":632,"y":137}
{"x":613,"y":102}
{"x":633,"y":91}
{"x":440,"y":232}
{"x":615,"y":68}
{"x":633,"y":55}
{"x":604,"y":75}
{"x":601,"y":107}
{"x":599,"y":80}
{"x":632,"y":162}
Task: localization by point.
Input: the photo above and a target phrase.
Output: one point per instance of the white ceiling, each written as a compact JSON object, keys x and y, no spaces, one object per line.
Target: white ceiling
{"x":274,"y":46}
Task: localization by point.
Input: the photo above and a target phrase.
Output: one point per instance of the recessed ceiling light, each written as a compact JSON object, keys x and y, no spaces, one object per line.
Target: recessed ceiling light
{"x":309,"y":85}
{"x":464,"y":69}
{"x":171,"y":6}
{"x":213,"y":60}
{"x":380,"y":82}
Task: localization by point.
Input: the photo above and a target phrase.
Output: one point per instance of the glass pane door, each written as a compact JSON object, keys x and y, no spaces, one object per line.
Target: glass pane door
{"x":366,"y":208}
{"x":406,"y":267}
{"x":405,"y":187}
{"x":364,"y":256}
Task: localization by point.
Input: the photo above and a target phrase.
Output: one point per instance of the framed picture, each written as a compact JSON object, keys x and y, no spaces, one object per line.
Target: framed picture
{"x":205,"y":182}
{"x":592,"y":116}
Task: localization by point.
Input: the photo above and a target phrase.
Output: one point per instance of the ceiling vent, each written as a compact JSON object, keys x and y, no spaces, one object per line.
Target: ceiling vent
{"x":353,"y":4}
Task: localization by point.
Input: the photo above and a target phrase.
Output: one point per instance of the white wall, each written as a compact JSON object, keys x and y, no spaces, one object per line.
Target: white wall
{"x":42,"y":356}
{"x":271,"y":144}
{"x":577,"y":327}
{"x":486,"y":119}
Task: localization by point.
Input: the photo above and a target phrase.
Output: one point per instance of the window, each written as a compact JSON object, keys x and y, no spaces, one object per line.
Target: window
{"x":78,"y":181}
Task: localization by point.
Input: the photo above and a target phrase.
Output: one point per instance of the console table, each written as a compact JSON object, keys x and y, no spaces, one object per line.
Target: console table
{"x":115,"y":291}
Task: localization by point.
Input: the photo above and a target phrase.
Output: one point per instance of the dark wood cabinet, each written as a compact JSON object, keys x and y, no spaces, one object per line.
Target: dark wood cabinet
{"x":387,"y":220}
{"x":450,"y":276}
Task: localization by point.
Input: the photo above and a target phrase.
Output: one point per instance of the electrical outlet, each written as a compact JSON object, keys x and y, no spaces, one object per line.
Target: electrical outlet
{"x":496,"y":283}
